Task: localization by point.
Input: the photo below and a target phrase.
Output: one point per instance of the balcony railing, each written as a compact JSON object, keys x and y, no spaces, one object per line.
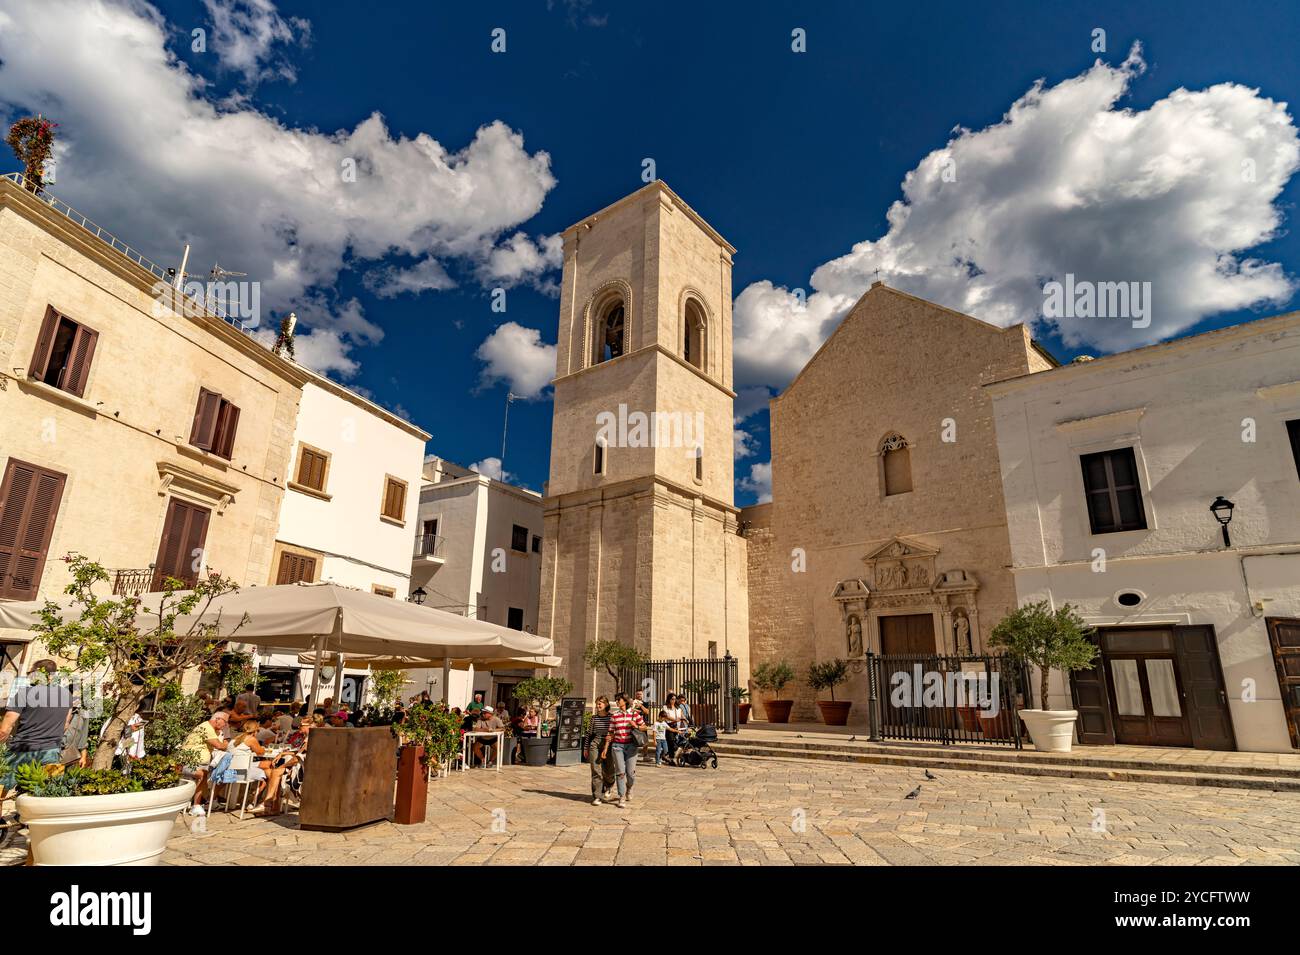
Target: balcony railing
{"x":429,"y":546}
{"x":115,"y":243}
{"x":133,"y":583}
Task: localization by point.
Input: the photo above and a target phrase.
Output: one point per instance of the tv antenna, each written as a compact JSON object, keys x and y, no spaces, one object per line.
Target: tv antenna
{"x":218,"y":273}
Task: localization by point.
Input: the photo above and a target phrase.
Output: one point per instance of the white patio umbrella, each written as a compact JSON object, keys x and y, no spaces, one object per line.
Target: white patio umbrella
{"x":329,"y":618}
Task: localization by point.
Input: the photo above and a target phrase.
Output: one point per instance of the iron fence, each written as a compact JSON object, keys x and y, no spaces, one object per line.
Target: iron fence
{"x":707,"y":685}
{"x":947,"y":699}
{"x":133,"y":583}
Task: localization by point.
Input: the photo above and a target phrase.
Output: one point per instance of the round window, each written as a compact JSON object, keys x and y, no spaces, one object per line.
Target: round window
{"x":1128,"y":598}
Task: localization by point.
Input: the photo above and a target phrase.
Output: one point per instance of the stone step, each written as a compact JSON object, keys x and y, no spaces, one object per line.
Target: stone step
{"x":1040,"y":767}
{"x":992,"y":753}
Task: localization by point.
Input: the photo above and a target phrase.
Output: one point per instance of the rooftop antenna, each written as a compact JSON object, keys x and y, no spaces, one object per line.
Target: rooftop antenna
{"x":510,"y":397}
{"x":218,"y":273}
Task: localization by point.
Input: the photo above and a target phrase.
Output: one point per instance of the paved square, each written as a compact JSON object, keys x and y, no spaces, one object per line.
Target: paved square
{"x":782,"y":812}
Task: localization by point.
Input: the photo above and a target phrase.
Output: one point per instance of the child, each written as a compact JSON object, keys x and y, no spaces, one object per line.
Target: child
{"x":661,"y":740}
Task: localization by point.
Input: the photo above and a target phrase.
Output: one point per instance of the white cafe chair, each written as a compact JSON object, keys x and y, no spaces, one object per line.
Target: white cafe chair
{"x":241,"y":761}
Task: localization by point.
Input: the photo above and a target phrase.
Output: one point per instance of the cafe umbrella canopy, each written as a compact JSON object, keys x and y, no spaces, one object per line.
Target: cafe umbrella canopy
{"x":330,"y":619}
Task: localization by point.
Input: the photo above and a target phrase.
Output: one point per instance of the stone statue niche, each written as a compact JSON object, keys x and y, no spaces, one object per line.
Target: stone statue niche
{"x":854,"y":633}
{"x":961,"y":641}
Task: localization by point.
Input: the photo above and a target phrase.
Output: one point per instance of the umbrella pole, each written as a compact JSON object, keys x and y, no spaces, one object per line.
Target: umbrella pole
{"x":338,"y":682}
{"x":315,"y":675}
{"x":446,"y":681}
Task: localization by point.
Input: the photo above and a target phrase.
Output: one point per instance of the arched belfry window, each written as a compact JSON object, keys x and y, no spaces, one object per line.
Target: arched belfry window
{"x":896,"y":464}
{"x":693,"y":334}
{"x":610,"y":331}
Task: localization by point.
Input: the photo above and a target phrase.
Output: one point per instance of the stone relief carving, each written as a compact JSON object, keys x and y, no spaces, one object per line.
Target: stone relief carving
{"x":855,"y":636}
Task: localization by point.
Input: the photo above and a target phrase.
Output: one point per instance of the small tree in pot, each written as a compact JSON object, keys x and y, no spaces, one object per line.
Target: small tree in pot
{"x":542,"y":692}
{"x":1050,"y":640}
{"x":827,"y":675}
{"x":773,"y":677}
{"x":612,"y":656}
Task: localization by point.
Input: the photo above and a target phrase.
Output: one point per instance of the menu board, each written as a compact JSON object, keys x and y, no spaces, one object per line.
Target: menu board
{"x":568,"y":731}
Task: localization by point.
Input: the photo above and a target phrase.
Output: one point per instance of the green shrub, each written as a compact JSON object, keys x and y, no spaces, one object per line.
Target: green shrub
{"x":827,"y":675}
{"x":155,"y":772}
{"x":103,"y":782}
{"x":174,"y":716}
{"x":1049,"y":639}
{"x":773,"y":677}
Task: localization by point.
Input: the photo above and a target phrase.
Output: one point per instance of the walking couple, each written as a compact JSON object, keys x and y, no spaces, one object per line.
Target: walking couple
{"x":617,"y":734}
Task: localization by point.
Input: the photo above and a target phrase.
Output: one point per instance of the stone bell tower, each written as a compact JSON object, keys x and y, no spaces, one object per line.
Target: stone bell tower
{"x":641,"y":536}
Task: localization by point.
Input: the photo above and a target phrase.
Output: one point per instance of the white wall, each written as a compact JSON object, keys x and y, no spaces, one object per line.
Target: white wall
{"x":1205,"y":417}
{"x":362,"y":549}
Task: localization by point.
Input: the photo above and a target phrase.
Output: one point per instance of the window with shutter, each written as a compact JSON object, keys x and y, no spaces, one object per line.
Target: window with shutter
{"x":296,"y":568}
{"x":215,"y":422}
{"x":519,"y":538}
{"x":394,"y":499}
{"x":29,"y":506}
{"x":181,"y":550}
{"x":311,"y":468}
{"x":64,"y":352}
{"x":1110,"y":482}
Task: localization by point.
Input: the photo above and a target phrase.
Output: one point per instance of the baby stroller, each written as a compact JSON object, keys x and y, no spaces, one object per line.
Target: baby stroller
{"x":694,"y":750}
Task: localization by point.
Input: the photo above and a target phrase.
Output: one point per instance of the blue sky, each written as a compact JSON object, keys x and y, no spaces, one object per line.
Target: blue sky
{"x":793,"y":157}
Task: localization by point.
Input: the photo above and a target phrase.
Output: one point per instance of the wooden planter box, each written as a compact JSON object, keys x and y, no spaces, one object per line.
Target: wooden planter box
{"x":351,"y":777}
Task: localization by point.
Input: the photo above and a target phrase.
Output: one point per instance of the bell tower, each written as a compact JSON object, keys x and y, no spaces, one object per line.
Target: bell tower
{"x":641,"y":540}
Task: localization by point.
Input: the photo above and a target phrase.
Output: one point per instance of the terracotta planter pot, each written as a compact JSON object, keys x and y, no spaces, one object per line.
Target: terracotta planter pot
{"x":702,"y":713}
{"x":744,"y":713}
{"x":778,"y":711}
{"x":412,"y":786}
{"x":835,"y":712}
{"x":996,"y":726}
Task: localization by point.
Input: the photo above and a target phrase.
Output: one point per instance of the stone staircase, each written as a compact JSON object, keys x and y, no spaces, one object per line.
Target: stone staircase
{"x":1176,"y":767}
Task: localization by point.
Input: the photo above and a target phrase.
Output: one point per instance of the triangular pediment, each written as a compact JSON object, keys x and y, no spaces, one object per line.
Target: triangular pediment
{"x":848,"y":589}
{"x":900,"y":548}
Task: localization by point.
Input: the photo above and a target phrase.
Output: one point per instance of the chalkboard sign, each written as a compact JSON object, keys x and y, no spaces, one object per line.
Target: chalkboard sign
{"x":568,"y":731}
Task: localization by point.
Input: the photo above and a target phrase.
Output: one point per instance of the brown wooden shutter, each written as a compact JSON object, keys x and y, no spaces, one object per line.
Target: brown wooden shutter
{"x":29,"y":505}
{"x":295,"y":568}
{"x":184,"y":531}
{"x":227,"y":425}
{"x":311,"y":469}
{"x":44,"y":342}
{"x":205,"y":419}
{"x":83,"y":352}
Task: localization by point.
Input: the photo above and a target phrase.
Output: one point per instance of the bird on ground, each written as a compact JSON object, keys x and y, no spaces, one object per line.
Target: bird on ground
{"x":914,"y":793}
{"x":930,"y":775}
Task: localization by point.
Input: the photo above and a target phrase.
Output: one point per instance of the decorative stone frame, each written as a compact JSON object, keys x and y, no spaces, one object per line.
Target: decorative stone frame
{"x":917,"y":590}
{"x":597,"y":304}
{"x":893,"y":441}
{"x":691,"y":294}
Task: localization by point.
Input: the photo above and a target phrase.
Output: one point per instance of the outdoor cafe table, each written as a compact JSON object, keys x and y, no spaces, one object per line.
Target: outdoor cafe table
{"x":469,"y":749}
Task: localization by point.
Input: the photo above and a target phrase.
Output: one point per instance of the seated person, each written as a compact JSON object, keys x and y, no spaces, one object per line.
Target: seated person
{"x":488,"y":722}
{"x":207,"y":740}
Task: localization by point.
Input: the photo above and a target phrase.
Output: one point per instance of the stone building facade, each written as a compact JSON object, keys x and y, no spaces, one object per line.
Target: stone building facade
{"x":640,"y":539}
{"x":886,"y":531}
{"x":103,"y":446}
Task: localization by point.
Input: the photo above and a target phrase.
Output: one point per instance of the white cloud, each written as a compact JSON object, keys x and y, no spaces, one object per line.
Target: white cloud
{"x":758,"y":483}
{"x":520,"y":259}
{"x":491,"y":467}
{"x":744,"y":444}
{"x":427,"y":275}
{"x":146,"y":153}
{"x":1067,"y":182}
{"x":519,"y":357}
{"x":246,"y":33}
{"x":750,"y":401}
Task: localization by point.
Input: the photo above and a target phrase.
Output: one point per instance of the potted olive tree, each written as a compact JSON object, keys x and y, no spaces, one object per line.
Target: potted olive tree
{"x":101,"y":816}
{"x":827,"y":675}
{"x":1050,"y":640}
{"x":542,"y":692}
{"x":773,"y":677}
{"x":612,"y":656}
{"x":741,"y":696}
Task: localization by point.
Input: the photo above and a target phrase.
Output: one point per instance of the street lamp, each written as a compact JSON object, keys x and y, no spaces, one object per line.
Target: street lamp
{"x":1222,"y":511}
{"x":418,"y":595}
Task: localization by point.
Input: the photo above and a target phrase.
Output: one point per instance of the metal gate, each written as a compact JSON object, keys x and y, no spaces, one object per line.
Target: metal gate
{"x":947,"y":699}
{"x":706,"y":684}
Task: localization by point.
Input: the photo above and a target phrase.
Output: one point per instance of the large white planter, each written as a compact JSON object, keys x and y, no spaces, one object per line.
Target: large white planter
{"x":122,"y":829}
{"x":1052,"y":731}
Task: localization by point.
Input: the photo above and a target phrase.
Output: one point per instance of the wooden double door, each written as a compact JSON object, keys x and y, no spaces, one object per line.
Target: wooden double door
{"x":907,"y":635}
{"x":1155,"y":686}
{"x":1284,"y":636}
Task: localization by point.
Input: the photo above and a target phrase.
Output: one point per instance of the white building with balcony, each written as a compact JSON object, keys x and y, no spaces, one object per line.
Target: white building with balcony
{"x":349,"y":509}
{"x":1110,"y":468}
{"x":478,"y":552}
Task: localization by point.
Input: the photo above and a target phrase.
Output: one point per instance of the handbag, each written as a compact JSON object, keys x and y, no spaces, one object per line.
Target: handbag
{"x":639,"y":736}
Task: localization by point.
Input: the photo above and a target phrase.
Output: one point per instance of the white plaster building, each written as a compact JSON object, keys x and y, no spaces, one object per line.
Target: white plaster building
{"x":348,"y":514}
{"x":478,"y":552}
{"x":1109,"y":469}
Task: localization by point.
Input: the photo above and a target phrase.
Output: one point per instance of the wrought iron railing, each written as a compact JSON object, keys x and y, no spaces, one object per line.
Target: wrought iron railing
{"x":93,"y":228}
{"x":133,"y":583}
{"x":429,"y":545}
{"x":707,"y":685}
{"x":947,"y":699}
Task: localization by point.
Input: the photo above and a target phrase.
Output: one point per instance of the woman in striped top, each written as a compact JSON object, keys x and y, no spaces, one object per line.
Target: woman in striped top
{"x":621,"y":722}
{"x":598,"y":740}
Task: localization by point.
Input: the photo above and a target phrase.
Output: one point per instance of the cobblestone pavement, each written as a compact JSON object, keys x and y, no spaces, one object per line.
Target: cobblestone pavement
{"x":781,"y":812}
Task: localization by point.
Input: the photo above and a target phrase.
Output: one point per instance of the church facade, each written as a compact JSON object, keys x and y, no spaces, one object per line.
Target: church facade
{"x":887,"y":531}
{"x":641,"y":534}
